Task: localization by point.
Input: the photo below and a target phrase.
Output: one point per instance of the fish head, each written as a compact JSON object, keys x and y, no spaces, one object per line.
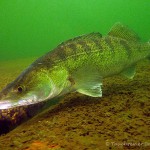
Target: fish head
{"x":30,"y":87}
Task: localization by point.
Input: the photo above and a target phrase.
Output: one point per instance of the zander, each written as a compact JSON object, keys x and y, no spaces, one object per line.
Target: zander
{"x":78,"y":64}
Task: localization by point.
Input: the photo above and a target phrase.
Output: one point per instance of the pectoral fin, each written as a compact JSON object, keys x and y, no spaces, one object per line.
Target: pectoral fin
{"x":129,"y":73}
{"x":88,"y":82}
{"x":93,"y":90}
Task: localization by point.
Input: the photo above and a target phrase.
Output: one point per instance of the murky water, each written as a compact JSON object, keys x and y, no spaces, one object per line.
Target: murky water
{"x":29,"y":29}
{"x":33,"y":27}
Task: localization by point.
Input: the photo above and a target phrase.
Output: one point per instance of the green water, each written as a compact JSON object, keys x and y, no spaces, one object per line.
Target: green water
{"x":32,"y":27}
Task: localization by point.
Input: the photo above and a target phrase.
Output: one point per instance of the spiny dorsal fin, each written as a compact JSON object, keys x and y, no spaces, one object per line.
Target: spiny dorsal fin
{"x":87,"y":36}
{"x":93,"y":35}
{"x":122,"y":31}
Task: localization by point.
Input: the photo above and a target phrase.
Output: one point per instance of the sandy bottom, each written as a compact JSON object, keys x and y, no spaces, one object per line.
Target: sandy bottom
{"x":118,"y":120}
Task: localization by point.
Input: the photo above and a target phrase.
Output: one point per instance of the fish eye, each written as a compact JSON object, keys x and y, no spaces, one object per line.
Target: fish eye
{"x":20,"y":89}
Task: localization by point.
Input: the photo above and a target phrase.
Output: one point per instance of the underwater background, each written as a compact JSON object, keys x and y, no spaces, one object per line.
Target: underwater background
{"x":30,"y":28}
{"x":118,"y":120}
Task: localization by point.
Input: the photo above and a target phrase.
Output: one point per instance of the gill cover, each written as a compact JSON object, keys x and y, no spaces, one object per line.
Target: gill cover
{"x":38,"y":89}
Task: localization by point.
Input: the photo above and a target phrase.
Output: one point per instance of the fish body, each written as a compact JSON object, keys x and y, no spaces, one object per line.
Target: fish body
{"x":78,"y":64}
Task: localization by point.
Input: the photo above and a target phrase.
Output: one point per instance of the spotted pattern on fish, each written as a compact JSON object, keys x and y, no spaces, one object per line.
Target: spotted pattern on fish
{"x":84,"y":47}
{"x":108,"y":40}
{"x":60,"y":54}
{"x":126,"y":47}
{"x":98,"y":44}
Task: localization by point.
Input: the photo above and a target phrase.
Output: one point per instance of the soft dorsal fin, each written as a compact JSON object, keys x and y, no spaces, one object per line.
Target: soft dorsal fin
{"x":92,"y":35}
{"x":121,"y":31}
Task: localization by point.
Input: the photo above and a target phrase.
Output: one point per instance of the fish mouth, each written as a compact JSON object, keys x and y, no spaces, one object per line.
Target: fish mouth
{"x":8,"y":103}
{"x":11,"y":100}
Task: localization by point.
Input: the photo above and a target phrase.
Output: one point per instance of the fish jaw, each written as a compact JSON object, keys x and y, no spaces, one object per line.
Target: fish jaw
{"x":9,"y":103}
{"x":33,"y":97}
{"x":11,"y":100}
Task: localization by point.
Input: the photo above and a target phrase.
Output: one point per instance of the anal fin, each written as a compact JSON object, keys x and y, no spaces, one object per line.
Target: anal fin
{"x":129,"y":73}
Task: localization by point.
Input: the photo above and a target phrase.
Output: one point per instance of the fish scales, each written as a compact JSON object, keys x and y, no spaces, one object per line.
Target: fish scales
{"x":105,"y":53}
{"x":88,"y":51}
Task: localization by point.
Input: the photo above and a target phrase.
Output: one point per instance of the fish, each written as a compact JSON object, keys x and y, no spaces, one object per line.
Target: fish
{"x":79,"y":64}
